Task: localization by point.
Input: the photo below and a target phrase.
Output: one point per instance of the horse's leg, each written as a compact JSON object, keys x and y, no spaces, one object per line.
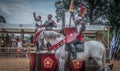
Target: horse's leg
{"x":60,"y":55}
{"x":61,"y":64}
{"x":99,"y":63}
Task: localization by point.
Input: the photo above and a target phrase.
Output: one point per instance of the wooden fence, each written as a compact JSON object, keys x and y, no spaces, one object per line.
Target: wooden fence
{"x":8,"y":51}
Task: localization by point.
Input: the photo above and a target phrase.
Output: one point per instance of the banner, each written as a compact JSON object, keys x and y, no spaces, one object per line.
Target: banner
{"x":77,"y":65}
{"x":72,"y":6}
{"x":48,"y":62}
{"x":45,"y":62}
{"x":83,"y":11}
{"x":32,"y":58}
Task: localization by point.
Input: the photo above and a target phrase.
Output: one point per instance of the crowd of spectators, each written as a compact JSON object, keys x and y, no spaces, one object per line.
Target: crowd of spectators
{"x":11,"y":40}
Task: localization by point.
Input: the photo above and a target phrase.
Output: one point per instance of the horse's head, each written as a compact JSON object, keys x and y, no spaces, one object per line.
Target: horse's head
{"x":50,"y":36}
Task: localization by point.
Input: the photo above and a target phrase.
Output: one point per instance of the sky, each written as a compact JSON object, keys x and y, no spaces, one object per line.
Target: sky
{"x":21,"y":11}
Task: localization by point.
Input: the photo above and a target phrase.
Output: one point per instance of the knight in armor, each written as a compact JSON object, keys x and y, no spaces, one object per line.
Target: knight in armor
{"x":38,"y":23}
{"x":37,"y":31}
{"x":49,"y":24}
{"x":41,"y":40}
{"x":80,"y":26}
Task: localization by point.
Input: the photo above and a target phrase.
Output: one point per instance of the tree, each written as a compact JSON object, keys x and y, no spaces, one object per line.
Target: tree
{"x":64,"y":5}
{"x":113,"y":16}
{"x":96,"y":9}
{"x":2,"y":19}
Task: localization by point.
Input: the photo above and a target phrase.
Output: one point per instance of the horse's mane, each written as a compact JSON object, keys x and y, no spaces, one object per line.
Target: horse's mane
{"x":52,"y":36}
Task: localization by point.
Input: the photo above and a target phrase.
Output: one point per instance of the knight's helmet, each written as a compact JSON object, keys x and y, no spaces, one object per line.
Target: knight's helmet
{"x":50,"y":22}
{"x":49,"y":16}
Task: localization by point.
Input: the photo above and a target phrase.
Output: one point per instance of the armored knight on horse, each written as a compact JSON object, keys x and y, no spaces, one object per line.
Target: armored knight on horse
{"x":48,"y":25}
{"x":76,"y":44}
{"x":92,"y":49}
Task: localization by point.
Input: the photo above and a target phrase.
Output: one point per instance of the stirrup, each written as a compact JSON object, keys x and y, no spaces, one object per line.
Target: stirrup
{"x":72,"y":58}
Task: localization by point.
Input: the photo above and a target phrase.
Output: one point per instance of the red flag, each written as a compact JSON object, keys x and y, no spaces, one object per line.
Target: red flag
{"x":72,"y":6}
{"x":83,"y":10}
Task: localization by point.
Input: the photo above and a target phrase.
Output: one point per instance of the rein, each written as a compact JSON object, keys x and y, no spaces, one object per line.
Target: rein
{"x":57,"y":45}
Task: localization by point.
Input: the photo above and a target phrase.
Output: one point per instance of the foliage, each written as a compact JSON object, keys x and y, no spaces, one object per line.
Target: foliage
{"x":2,"y":19}
{"x":88,"y":38}
{"x":113,"y":14}
{"x":2,"y":35}
{"x":96,"y":9}
{"x":64,"y":6}
{"x":105,"y":34}
{"x":31,"y":38}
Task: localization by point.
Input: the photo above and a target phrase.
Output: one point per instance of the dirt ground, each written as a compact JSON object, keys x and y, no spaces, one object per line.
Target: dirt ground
{"x":22,"y":64}
{"x":116,"y":66}
{"x":14,"y":64}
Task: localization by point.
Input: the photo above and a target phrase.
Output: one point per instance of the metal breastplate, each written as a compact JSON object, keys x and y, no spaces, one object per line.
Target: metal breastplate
{"x":49,"y":23}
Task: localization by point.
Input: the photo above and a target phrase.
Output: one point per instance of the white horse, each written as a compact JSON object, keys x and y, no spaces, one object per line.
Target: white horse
{"x":50,"y":36}
{"x":93,"y":49}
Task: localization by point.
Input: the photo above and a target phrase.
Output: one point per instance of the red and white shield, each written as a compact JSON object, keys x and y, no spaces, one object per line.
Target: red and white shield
{"x":70,"y":34}
{"x":48,"y":62}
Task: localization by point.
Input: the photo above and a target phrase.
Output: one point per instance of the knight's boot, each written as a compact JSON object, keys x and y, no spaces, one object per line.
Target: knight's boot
{"x":48,"y":46}
{"x":40,"y":47}
{"x":49,"y":51}
{"x":37,"y":47}
{"x":74,"y":55}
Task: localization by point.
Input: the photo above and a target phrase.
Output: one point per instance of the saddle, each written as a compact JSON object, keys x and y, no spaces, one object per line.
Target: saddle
{"x":70,"y":36}
{"x":78,"y":46}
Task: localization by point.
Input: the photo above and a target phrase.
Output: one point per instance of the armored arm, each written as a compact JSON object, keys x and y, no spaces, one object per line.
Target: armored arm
{"x":82,"y":28}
